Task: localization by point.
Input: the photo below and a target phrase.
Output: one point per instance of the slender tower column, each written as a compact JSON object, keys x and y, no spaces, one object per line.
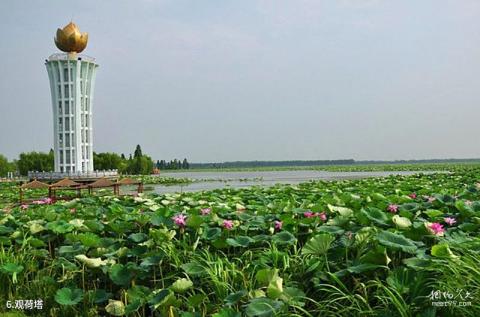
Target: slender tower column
{"x":72,"y":79}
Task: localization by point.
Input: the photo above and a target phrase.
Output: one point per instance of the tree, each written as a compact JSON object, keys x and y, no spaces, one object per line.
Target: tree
{"x":5,"y":166}
{"x":142,"y":165}
{"x":107,"y":161}
{"x":35,"y":161}
{"x":138,"y":151}
{"x":185,"y":164}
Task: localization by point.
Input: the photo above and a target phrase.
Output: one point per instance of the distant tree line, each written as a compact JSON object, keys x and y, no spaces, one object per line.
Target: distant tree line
{"x":247,"y":164}
{"x":426,"y":161}
{"x":240,"y":164}
{"x":136,"y":164}
{"x":139,"y":163}
{"x":172,"y":165}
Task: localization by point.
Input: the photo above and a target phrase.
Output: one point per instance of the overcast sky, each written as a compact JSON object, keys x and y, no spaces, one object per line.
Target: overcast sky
{"x":220,"y":80}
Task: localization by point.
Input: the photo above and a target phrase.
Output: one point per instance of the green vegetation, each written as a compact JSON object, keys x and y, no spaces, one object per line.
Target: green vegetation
{"x":370,"y":247}
{"x":35,"y":161}
{"x":310,"y":163}
{"x":139,"y":164}
{"x":441,"y":166}
{"x":172,"y":165}
{"x":6,"y":166}
{"x":151,"y":179}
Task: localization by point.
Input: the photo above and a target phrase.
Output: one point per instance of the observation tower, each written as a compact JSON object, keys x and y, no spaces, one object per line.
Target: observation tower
{"x":72,"y":81}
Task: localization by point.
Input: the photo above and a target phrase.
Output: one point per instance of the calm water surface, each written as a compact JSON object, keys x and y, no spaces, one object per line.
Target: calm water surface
{"x":215,"y":180}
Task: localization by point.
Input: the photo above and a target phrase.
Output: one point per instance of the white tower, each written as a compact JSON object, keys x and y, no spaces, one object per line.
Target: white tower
{"x":72,"y":79}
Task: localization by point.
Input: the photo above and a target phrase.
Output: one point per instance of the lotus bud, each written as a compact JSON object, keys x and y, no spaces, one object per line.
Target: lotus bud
{"x":70,"y":40}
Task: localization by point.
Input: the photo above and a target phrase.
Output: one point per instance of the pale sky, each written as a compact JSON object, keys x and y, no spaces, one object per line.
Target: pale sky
{"x":221,"y":80}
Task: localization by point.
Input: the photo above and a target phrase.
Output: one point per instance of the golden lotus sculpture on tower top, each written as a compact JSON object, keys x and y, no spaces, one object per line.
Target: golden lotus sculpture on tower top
{"x":70,"y":40}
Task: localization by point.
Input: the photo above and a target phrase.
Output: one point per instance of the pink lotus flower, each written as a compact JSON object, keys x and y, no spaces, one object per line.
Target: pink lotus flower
{"x":278,"y":224}
{"x":308,"y":214}
{"x":468,"y":202}
{"x":24,"y":206}
{"x":48,"y":200}
{"x":180,"y":220}
{"x":450,"y":220}
{"x":38,"y":202}
{"x":205,"y":211}
{"x":322,"y":216}
{"x":73,"y":210}
{"x":392,"y":208}
{"x":413,"y":195}
{"x":228,"y":224}
{"x":437,"y":228}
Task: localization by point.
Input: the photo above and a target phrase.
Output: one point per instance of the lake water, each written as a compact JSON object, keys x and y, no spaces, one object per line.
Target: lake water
{"x":215,"y":180}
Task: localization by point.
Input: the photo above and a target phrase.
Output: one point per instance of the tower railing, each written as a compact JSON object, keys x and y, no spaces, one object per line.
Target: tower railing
{"x":72,"y":175}
{"x":64,"y":57}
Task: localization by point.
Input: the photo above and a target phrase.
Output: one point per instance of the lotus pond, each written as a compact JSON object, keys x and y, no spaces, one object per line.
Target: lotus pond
{"x":393,"y":246}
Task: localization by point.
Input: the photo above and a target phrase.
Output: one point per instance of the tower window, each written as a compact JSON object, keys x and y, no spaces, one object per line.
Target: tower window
{"x":59,"y":107}
{"x":67,"y":107}
{"x":66,"y":91}
{"x":65,"y":75}
{"x":84,"y":69}
{"x":67,"y":139}
{"x":67,"y":124}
